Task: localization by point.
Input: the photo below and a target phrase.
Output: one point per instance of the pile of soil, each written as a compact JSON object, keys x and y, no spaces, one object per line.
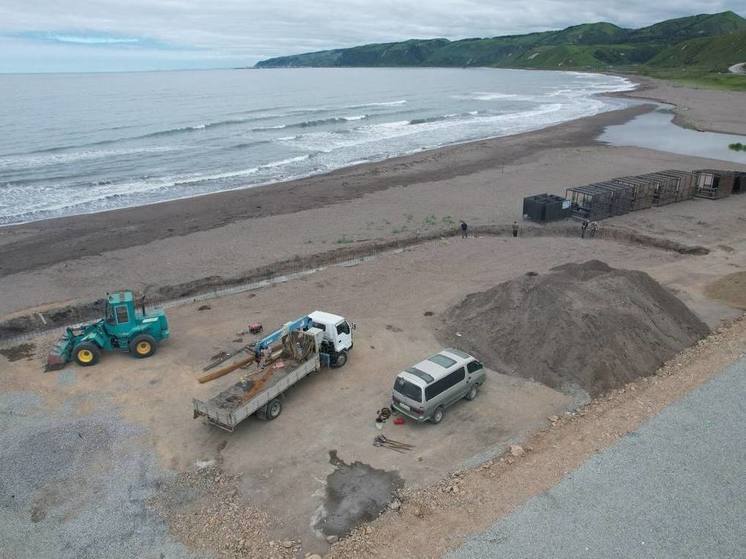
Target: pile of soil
{"x":580,"y":325}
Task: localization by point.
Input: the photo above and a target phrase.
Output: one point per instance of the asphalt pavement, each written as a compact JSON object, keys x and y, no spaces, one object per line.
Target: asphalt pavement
{"x":676,"y":488}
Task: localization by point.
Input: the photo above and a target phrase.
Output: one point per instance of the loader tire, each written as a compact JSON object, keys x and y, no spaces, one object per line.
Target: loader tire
{"x":143,"y":346}
{"x":86,"y":354}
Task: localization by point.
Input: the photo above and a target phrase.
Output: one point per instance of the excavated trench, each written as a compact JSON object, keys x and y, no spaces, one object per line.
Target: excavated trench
{"x":18,"y":328}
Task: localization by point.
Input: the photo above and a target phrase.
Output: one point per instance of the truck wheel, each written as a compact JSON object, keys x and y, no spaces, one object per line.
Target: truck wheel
{"x":341,"y":360}
{"x":438,"y":415}
{"x":143,"y":346}
{"x":87,"y":354}
{"x":472,"y":392}
{"x":274,"y":409}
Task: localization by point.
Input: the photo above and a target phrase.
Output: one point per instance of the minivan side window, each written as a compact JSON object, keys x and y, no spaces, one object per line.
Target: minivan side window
{"x":474,"y":366}
{"x":343,"y":328}
{"x":445,"y":383}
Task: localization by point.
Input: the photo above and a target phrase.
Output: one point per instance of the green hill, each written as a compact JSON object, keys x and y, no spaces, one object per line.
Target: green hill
{"x":709,"y":53}
{"x":700,"y":44}
{"x":681,"y":29}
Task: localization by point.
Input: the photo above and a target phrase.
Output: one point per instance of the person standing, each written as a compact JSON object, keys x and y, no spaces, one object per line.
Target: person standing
{"x":593,"y":228}
{"x":515,"y":229}
{"x":464,"y":229}
{"x":583,"y":227}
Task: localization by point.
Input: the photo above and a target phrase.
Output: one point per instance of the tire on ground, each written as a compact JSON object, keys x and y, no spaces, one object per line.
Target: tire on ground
{"x":86,"y":354}
{"x":473,"y":391}
{"x":143,"y":345}
{"x":341,"y":360}
{"x":273,"y":409}
{"x":438,"y":415}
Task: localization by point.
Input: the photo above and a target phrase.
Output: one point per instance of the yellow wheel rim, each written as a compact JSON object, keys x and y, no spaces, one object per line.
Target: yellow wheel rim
{"x":143,"y":348}
{"x":85,"y":356}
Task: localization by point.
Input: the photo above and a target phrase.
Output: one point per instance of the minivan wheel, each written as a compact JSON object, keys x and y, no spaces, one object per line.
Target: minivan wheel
{"x":472,"y":392}
{"x":438,"y":415}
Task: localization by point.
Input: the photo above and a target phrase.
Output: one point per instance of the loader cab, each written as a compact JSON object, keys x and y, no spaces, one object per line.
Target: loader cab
{"x":120,"y":313}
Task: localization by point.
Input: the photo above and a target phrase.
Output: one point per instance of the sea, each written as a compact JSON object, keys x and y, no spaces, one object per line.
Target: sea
{"x":82,"y":143}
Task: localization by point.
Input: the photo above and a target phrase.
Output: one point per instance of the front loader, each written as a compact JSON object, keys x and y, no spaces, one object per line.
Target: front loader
{"x":123,"y":328}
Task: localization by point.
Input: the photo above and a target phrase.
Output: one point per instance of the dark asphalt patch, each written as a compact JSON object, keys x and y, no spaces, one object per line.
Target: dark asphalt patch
{"x":355,"y":493}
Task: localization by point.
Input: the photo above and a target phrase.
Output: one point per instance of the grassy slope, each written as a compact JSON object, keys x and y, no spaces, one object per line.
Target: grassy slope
{"x":697,"y":49}
{"x":702,"y":62}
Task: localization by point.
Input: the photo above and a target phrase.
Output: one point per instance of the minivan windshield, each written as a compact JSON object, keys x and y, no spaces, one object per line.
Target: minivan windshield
{"x":406,"y":388}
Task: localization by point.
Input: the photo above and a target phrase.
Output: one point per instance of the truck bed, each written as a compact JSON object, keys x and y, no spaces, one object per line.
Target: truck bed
{"x":227,"y":409}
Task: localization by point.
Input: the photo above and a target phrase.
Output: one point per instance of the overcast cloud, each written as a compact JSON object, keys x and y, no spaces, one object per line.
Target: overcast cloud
{"x":100,"y":35}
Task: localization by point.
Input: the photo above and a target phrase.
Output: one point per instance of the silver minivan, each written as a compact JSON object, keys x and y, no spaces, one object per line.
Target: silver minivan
{"x":423,"y":392}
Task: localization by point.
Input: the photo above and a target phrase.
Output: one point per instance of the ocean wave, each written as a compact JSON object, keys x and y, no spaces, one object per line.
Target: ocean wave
{"x":378,"y":104}
{"x":488,"y":96}
{"x":438,"y":118}
{"x":244,"y":145}
{"x":103,"y":195}
{"x":46,"y":159}
{"x":311,"y":123}
{"x":157,"y":134}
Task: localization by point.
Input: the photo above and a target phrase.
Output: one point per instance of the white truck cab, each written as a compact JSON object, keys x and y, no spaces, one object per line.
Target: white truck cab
{"x":337,"y":335}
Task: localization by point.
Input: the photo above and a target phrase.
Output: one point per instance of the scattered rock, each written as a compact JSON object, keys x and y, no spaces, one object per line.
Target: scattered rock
{"x":313,"y":556}
{"x":395,"y":504}
{"x":429,"y":313}
{"x":287,"y":544}
{"x":417,"y":511}
{"x":516,"y":450}
{"x":204,"y":308}
{"x":332,"y":539}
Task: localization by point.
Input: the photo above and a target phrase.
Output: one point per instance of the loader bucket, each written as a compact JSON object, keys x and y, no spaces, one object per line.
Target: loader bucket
{"x":60,"y":354}
{"x":55,"y":362}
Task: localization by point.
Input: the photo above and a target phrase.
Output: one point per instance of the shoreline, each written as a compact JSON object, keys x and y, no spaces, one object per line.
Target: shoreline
{"x":700,"y":109}
{"x":355,"y":163}
{"x":36,"y":244}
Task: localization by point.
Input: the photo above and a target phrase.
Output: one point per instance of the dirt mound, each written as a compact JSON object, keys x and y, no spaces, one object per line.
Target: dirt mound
{"x":586,"y":325}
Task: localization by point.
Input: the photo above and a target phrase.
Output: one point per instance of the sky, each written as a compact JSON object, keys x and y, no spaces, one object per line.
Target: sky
{"x":128,"y":35}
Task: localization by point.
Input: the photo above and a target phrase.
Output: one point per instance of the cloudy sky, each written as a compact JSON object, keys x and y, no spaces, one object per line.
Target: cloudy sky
{"x":111,"y":35}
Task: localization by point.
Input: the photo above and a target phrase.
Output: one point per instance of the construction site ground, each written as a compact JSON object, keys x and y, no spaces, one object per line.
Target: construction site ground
{"x":107,"y":461}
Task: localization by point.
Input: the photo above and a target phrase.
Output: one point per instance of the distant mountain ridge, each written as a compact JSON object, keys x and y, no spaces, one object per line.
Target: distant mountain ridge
{"x":708,"y":42}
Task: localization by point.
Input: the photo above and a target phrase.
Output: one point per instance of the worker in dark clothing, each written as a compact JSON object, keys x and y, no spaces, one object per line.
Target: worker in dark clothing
{"x":515,"y":228}
{"x":464,"y":229}
{"x":593,"y":228}
{"x":583,"y":227}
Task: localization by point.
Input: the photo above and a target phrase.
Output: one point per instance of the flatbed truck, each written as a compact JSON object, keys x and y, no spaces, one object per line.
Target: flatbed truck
{"x":325,"y":341}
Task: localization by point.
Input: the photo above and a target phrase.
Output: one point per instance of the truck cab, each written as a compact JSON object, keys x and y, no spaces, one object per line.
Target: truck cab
{"x":337,"y":335}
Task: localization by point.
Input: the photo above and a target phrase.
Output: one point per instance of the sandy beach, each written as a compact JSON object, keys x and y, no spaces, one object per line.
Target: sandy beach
{"x":259,"y":491}
{"x":227,"y":235}
{"x":701,"y":109}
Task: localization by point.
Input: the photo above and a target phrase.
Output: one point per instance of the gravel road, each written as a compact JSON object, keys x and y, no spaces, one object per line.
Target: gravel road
{"x":75,"y":486}
{"x":674,"y":488}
